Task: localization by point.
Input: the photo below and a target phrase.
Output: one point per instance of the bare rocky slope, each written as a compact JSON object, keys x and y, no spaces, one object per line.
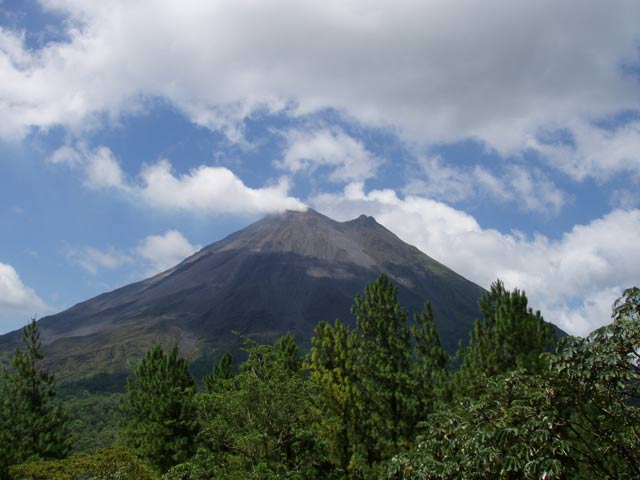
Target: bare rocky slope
{"x":281,"y":274}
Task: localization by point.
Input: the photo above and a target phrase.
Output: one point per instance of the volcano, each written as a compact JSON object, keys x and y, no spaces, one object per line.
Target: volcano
{"x":284,"y":273}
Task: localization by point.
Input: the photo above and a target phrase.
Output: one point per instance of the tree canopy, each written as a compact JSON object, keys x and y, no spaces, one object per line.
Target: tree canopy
{"x":33,"y":423}
{"x":381,"y":399}
{"x":158,"y":413}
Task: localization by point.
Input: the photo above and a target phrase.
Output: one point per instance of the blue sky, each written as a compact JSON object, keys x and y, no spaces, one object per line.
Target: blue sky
{"x":501,"y":138}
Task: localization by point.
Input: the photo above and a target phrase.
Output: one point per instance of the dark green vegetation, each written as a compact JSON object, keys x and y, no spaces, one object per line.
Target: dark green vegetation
{"x":33,"y":425}
{"x":383,"y":399}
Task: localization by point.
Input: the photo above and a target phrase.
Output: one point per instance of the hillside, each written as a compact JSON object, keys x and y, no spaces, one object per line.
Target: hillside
{"x":281,"y":274}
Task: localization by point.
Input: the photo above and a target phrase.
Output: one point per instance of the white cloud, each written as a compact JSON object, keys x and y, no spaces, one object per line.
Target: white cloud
{"x":534,"y":189}
{"x":66,"y":155}
{"x":625,"y":199}
{"x":93,"y":259}
{"x":573,"y":280}
{"x":18,"y":302}
{"x":100,"y":168}
{"x":597,"y":152}
{"x":103,"y":171}
{"x":437,"y":71}
{"x":529,"y":188}
{"x":211,"y":190}
{"x":165,"y":251}
{"x":204,"y":189}
{"x":152,"y":255}
{"x":348,"y":159}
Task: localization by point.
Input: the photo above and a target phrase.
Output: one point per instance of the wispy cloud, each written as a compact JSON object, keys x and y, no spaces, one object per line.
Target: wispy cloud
{"x":93,"y":259}
{"x":152,"y":255}
{"x":346,"y":158}
{"x":526,"y":188}
{"x":165,"y":251}
{"x":18,"y":302}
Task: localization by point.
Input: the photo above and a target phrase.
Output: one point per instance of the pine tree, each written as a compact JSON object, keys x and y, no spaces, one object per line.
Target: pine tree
{"x":332,"y":367}
{"x":287,"y":349}
{"x":261,"y":424}
{"x":429,"y":372}
{"x":377,"y":381}
{"x":159,"y":414}
{"x":33,"y":425}
{"x":223,"y":370}
{"x":383,"y":369}
{"x":511,"y":335}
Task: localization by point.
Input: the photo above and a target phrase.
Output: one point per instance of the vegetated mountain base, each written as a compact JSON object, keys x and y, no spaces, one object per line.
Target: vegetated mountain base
{"x":282,"y":274}
{"x":380,"y":399}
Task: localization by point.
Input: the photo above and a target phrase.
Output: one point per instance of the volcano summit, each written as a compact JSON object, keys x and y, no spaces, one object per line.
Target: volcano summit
{"x":284,"y":273}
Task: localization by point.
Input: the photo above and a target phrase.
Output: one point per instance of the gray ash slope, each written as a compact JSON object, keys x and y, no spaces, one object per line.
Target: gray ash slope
{"x":284,"y":273}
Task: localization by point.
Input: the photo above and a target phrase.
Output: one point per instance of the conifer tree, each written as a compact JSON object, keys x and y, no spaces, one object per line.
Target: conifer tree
{"x":33,"y":425}
{"x":159,"y":414}
{"x":223,"y":370}
{"x":287,"y":349}
{"x":332,"y":367}
{"x":377,"y":381}
{"x":383,"y":369}
{"x":260,"y":424}
{"x":430,"y":361}
{"x":511,"y":335}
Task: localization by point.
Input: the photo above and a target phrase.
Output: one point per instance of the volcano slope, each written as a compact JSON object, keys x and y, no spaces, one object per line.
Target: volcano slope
{"x":284,"y":273}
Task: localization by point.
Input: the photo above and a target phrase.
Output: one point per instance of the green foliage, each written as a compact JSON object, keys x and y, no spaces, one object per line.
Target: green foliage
{"x":33,"y":425}
{"x":259,"y":423}
{"x":511,"y":335}
{"x":371,"y":401}
{"x":94,"y":420}
{"x":105,"y":464}
{"x":223,"y":370}
{"x":377,"y":381}
{"x":511,"y":431}
{"x":429,"y":370}
{"x":159,"y":414}
{"x":287,"y":349}
{"x":202,"y":466}
{"x":332,"y":367}
{"x":598,"y":381}
{"x":385,"y":397}
{"x":578,"y":418}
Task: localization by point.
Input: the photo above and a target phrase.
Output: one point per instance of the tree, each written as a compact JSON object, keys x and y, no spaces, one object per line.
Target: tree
{"x":331,"y":363}
{"x":376,"y":381}
{"x":288,"y":352}
{"x":259,"y":424}
{"x":33,"y":425}
{"x":103,"y":464}
{"x":578,"y":417}
{"x":386,"y":397}
{"x":511,"y":335}
{"x":513,"y":430}
{"x":598,"y":381}
{"x":222,"y":371}
{"x":159,"y":414}
{"x":429,"y":372}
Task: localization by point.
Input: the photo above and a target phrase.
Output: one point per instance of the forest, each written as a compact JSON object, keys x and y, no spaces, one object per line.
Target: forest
{"x":381,"y":399}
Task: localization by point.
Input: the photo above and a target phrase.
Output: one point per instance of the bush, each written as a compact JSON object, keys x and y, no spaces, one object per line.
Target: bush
{"x":105,"y":464}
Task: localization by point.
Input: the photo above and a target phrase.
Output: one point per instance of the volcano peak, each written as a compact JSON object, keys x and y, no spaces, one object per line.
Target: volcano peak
{"x":283,"y":273}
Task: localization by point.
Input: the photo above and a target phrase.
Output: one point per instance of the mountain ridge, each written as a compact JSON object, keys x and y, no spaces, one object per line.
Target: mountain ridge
{"x":283,"y":273}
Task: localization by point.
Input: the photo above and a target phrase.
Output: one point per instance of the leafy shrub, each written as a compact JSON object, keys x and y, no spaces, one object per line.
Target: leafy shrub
{"x":106,"y":464}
